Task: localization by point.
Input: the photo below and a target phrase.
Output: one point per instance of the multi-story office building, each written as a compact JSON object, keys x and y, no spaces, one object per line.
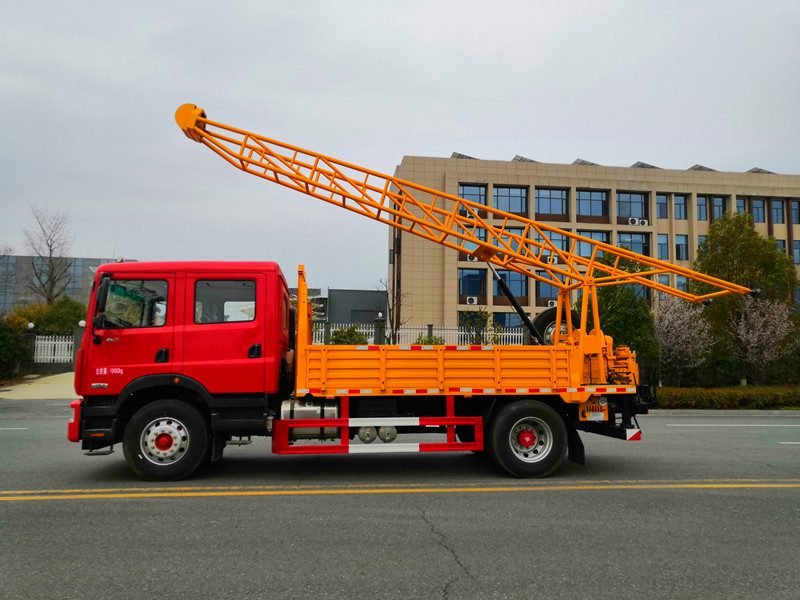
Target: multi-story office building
{"x":16,"y":275}
{"x":662,"y":213}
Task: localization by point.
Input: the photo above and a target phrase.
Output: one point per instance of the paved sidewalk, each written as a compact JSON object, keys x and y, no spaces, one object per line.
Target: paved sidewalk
{"x":45,"y":387}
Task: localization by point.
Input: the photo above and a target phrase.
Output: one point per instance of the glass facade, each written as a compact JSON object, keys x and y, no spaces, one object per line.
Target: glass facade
{"x":663,"y":246}
{"x":719,"y":206}
{"x":474,"y":193}
{"x":507,"y":320}
{"x":680,"y":207}
{"x":585,"y":248}
{"x":472,"y":282}
{"x":758,"y":210}
{"x":795,"y":212}
{"x":632,"y":205}
{"x":592,"y":203}
{"x":681,"y":247}
{"x":662,"y":207}
{"x":796,"y":252}
{"x":551,"y":201}
{"x":741,"y":206}
{"x":638,"y":242}
{"x":702,"y":208}
{"x":516,"y":282}
{"x":511,"y":199}
{"x":778,"y":216}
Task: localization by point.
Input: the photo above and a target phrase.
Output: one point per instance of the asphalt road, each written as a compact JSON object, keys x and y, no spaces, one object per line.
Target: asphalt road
{"x":702,"y":507}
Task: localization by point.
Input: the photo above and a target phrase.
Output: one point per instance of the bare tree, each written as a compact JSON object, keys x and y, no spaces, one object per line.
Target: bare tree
{"x":684,"y":336}
{"x":394,"y":305}
{"x":49,"y":241}
{"x":762,"y":333}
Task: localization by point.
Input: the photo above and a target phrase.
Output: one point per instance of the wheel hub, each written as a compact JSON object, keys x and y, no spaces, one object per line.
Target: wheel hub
{"x":531,"y":439}
{"x":164,"y":441}
{"x":526,"y":438}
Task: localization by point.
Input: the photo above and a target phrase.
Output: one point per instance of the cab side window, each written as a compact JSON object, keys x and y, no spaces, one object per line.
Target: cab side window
{"x":134,"y":303}
{"x":224,"y":301}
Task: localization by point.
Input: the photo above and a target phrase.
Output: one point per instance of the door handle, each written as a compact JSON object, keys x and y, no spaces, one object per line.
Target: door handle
{"x":254,"y":351}
{"x":162,"y":356}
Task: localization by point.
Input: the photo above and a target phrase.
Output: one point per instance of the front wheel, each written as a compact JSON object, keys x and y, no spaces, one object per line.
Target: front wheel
{"x":527,"y":438}
{"x":165,"y":441}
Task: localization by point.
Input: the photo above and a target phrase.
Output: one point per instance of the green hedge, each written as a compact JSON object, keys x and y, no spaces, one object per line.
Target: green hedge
{"x":756,"y":397}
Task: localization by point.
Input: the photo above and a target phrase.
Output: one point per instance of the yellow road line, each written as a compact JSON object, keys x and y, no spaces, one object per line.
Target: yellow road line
{"x":221,"y":492}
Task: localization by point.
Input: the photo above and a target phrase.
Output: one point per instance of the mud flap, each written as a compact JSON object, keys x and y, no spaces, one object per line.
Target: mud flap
{"x":575,"y":449}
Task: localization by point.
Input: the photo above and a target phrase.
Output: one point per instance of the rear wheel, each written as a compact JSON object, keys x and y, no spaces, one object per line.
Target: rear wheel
{"x":527,"y":438}
{"x":166,"y":441}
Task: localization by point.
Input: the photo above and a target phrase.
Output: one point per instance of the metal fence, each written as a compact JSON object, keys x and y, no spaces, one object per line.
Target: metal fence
{"x":51,"y":349}
{"x":510,"y":336}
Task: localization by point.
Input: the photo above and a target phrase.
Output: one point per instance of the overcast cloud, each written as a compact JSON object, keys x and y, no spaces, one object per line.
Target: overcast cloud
{"x":88,"y":91}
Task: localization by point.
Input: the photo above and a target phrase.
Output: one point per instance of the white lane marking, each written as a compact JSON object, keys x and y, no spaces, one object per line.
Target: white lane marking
{"x":790,"y":443}
{"x":13,"y":428}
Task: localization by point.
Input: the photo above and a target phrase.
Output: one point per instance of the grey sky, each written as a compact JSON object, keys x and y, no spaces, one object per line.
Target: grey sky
{"x":88,"y":91}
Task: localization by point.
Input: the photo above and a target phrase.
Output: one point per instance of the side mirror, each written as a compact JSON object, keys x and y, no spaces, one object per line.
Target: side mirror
{"x":102,"y":294}
{"x":99,"y":322}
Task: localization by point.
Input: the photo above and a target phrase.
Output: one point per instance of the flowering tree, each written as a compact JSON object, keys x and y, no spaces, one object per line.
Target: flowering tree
{"x":762,"y":333}
{"x":684,"y":337}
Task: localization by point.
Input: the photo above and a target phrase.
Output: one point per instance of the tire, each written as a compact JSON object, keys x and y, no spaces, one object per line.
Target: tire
{"x":166,"y":441}
{"x":545,"y":323}
{"x":527,"y":438}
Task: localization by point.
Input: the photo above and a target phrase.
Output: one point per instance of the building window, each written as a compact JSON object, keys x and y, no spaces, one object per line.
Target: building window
{"x":511,"y":241}
{"x":511,"y":199}
{"x":741,"y":206}
{"x":795,"y":212}
{"x":682,"y":283}
{"x":507,"y":320}
{"x":516,"y":282}
{"x":781,"y":244}
{"x":719,"y":206}
{"x":680,"y":207}
{"x":551,"y":202}
{"x":777,"y":212}
{"x":637,"y":242}
{"x":472,"y":282}
{"x":546,"y":291}
{"x":479,"y":233}
{"x":758,"y":210}
{"x":632,"y":205}
{"x":796,"y":252}
{"x":662,"y":208}
{"x":663,"y":280}
{"x":474,"y":193}
{"x":701,"y":239}
{"x":559,"y":240}
{"x":663,"y":246}
{"x":681,"y":247}
{"x":592,"y":203}
{"x":702,"y":208}
{"x":585,"y":248}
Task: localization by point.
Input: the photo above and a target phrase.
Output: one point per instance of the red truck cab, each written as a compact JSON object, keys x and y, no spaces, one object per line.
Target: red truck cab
{"x":214,"y":336}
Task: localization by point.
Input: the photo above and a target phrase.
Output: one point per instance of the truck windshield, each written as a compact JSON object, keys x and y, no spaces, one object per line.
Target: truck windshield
{"x":136,"y":303}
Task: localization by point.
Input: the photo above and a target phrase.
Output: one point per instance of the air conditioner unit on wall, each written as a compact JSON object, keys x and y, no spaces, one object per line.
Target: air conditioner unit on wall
{"x":471,"y":258}
{"x":552,"y":303}
{"x":633,"y":221}
{"x":472,"y":299}
{"x":644,"y":222}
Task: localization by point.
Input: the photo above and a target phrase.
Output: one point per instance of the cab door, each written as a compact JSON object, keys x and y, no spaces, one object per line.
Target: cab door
{"x":224,"y":334}
{"x":135,"y":336}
